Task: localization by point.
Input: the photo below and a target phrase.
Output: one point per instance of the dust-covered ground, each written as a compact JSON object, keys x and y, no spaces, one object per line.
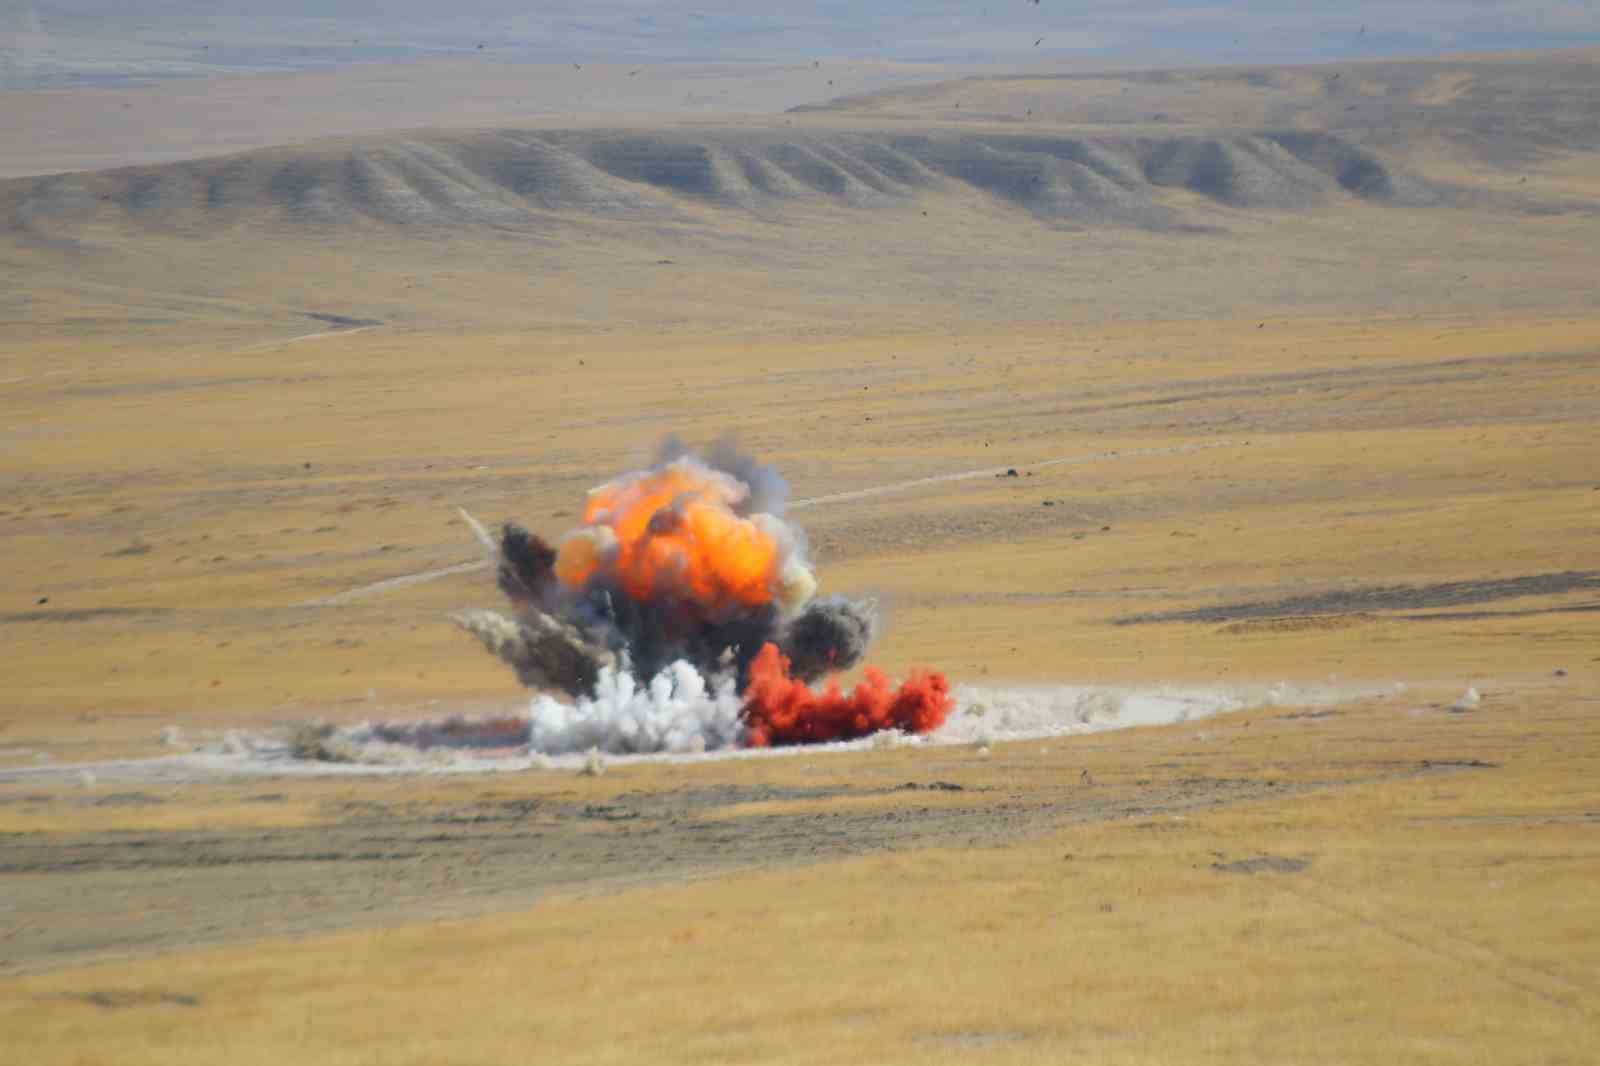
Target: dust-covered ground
{"x":198,"y":863}
{"x":1421,"y":841}
{"x":93,"y":895}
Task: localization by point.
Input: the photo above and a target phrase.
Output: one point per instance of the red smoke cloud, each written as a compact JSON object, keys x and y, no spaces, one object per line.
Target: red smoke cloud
{"x":779,"y":710}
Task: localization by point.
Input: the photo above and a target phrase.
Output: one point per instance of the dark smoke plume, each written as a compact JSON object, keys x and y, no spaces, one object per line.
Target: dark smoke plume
{"x":545,"y":652}
{"x":830,"y":635}
{"x":526,"y":573}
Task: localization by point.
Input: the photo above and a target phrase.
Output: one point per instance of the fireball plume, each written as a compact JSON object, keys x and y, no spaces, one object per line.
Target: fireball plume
{"x":682,"y":593}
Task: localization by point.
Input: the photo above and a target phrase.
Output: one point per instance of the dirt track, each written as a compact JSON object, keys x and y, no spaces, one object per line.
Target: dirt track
{"x":96,"y":894}
{"x":380,"y":858}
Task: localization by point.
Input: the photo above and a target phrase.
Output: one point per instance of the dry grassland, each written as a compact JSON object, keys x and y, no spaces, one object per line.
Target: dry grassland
{"x":1420,"y":891}
{"x":1444,"y":908}
{"x":227,"y":500}
{"x":179,"y":542}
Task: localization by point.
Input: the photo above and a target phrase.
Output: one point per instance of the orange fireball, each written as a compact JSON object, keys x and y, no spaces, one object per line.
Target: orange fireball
{"x":676,"y":531}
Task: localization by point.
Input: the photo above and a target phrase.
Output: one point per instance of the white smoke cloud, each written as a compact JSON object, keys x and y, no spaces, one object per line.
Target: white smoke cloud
{"x":985,"y":714}
{"x":678,"y":716}
{"x":677,"y":712}
{"x":681,"y":714}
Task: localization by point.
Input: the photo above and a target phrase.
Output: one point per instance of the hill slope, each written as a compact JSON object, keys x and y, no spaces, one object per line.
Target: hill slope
{"x":1503,"y":109}
{"x":1252,"y":192}
{"x":514,"y":177}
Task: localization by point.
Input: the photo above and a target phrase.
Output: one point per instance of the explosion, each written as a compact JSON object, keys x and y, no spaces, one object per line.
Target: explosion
{"x":681,"y":615}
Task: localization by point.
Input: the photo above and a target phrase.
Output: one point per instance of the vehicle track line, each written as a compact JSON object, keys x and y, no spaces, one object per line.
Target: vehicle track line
{"x":405,"y":580}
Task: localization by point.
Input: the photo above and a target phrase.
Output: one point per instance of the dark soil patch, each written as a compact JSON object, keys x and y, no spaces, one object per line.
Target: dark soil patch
{"x":115,"y":894}
{"x":117,"y":999}
{"x":1383,"y":598}
{"x":1263,"y":864}
{"x":82,"y":614}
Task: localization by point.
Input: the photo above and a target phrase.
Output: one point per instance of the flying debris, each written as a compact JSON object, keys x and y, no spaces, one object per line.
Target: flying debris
{"x":682,"y":611}
{"x":545,"y":652}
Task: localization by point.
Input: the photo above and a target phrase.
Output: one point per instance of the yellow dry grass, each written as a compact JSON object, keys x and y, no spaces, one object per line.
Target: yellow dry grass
{"x":112,"y":809}
{"x":1442,"y":914}
{"x":184,"y":491}
{"x":1218,"y":469}
{"x":1445,"y":914}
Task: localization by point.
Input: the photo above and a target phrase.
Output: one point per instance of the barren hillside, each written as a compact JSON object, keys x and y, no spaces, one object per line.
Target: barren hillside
{"x":1471,"y":185}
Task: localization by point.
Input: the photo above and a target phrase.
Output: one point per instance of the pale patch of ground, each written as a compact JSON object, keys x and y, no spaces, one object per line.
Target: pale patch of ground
{"x":1443,"y":89}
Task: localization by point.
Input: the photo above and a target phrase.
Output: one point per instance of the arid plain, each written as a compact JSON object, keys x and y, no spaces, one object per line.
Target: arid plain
{"x":1298,"y":373}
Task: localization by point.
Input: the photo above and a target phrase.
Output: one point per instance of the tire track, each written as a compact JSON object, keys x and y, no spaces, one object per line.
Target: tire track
{"x":1540,"y":983}
{"x":850,"y":496}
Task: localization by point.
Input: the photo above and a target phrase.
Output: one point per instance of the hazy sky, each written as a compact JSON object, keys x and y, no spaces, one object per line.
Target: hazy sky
{"x":57,"y":40}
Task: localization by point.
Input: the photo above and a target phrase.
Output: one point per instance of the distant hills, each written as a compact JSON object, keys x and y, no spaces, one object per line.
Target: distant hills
{"x":1104,"y":149}
{"x":1499,"y":109}
{"x":511,"y":178}
{"x":1462,"y":183}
